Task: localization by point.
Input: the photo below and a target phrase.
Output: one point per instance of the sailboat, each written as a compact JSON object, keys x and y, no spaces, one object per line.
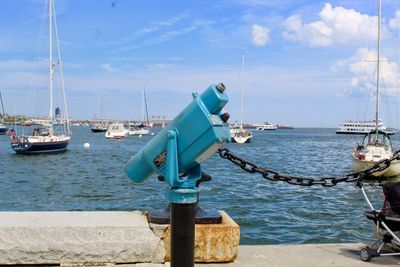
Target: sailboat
{"x":54,"y":135}
{"x":376,"y":144}
{"x":141,"y":128}
{"x":238,"y":133}
{"x":99,"y":125}
{"x":3,"y":128}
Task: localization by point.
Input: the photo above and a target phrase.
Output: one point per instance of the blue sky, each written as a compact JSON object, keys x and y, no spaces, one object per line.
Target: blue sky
{"x":308,"y":63}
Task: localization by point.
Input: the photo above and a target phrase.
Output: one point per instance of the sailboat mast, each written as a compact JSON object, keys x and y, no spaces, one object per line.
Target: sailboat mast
{"x":378,"y":64}
{"x":2,"y":114}
{"x":142,"y":102}
{"x":61,"y":70}
{"x":51,"y":65}
{"x":241,"y":97}
{"x":145,"y":106}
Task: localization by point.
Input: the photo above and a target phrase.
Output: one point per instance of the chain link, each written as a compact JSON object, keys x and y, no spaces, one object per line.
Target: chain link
{"x":307,"y":181}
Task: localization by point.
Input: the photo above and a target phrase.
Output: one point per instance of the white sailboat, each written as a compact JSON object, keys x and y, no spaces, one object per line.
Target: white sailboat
{"x":238,"y":133}
{"x":376,"y":145}
{"x":3,"y":128}
{"x":99,"y":125}
{"x":141,"y":129}
{"x":48,"y":138}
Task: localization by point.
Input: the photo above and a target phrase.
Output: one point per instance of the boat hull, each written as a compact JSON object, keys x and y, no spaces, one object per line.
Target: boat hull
{"x":241,"y":139}
{"x":116,"y":137}
{"x":3,"y":130}
{"x":139,"y":132}
{"x":26,"y":147}
{"x":361,"y":133}
{"x":392,"y":171}
{"x":96,"y":130}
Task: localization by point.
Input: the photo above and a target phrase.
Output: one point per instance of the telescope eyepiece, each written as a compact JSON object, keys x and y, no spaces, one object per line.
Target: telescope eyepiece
{"x":221,"y":87}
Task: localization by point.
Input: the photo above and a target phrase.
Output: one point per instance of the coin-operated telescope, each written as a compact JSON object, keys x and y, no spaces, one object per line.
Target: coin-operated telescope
{"x":176,"y":153}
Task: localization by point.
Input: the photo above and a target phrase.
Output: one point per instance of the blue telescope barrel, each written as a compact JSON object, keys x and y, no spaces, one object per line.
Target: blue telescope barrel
{"x":199,"y":130}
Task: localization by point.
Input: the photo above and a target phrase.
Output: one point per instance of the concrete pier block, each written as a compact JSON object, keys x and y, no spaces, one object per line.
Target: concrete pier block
{"x":213,"y":242}
{"x":77,"y":237}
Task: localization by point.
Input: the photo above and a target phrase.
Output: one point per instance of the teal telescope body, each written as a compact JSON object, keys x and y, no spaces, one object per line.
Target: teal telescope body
{"x":190,"y":138}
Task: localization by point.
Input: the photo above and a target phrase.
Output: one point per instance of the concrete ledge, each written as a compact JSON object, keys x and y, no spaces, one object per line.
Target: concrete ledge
{"x":77,"y":237}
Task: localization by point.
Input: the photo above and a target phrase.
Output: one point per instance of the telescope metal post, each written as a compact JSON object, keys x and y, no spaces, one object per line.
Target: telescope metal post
{"x":182,"y":234}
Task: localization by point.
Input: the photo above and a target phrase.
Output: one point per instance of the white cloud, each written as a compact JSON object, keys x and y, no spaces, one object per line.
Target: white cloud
{"x":260,"y":35}
{"x":395,"y":22}
{"x":107,"y":67}
{"x":337,"y":25}
{"x":17,"y":64}
{"x":362,"y":67}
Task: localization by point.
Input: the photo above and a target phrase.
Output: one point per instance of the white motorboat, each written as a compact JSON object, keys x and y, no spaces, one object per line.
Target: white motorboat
{"x":138,"y":130}
{"x":54,"y":135}
{"x":266,"y":126}
{"x":238,"y":133}
{"x":116,"y":131}
{"x":376,"y":145}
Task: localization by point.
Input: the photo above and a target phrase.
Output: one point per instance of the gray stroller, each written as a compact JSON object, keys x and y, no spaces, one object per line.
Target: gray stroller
{"x":387,"y":221}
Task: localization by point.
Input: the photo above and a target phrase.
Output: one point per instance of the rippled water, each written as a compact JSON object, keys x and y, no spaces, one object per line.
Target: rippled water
{"x":267,"y":212}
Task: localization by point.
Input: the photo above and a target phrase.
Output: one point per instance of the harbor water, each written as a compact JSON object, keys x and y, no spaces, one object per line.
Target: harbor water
{"x":267,"y":212}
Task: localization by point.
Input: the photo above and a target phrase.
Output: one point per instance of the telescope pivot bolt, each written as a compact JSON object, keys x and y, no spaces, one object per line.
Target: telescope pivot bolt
{"x":225,"y":117}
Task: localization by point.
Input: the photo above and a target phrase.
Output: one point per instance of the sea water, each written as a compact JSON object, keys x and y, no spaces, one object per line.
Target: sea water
{"x":267,"y":212}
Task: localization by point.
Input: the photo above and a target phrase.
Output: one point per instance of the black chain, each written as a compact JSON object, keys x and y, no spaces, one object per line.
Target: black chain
{"x":307,"y":181}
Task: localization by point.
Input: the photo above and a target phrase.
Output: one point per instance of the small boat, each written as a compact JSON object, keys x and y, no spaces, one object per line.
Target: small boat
{"x":362,"y":127}
{"x":3,"y":128}
{"x":266,"y":126}
{"x":376,"y":145}
{"x":141,"y":128}
{"x":54,"y":134}
{"x":238,"y":133}
{"x":99,"y":126}
{"x":116,"y":131}
{"x":41,"y":141}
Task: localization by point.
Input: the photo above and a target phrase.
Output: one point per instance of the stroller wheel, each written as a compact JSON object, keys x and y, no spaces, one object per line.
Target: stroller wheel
{"x":365,"y":254}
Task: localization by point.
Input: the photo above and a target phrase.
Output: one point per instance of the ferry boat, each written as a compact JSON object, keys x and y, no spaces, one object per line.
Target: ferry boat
{"x":266,"y":126}
{"x":362,"y":127}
